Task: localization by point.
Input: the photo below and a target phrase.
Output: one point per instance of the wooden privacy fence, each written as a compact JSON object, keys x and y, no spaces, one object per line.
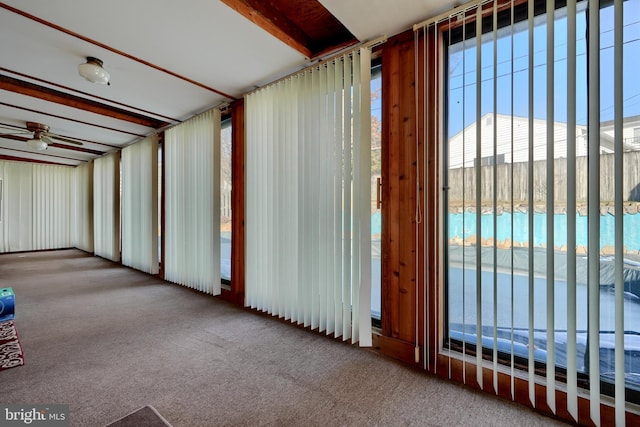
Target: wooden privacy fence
{"x":514,"y":184}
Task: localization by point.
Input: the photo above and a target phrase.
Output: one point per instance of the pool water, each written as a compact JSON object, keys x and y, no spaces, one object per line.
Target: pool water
{"x":515,"y":227}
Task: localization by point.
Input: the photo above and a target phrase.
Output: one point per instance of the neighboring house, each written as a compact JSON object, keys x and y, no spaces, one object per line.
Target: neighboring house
{"x":462,"y":146}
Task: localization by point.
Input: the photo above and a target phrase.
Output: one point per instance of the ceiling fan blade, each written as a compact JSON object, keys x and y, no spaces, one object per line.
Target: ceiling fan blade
{"x":46,"y":139}
{"x":51,"y":137}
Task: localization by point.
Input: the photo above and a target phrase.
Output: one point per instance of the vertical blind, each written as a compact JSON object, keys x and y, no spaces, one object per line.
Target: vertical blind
{"x":82,"y":207}
{"x":106,"y":206}
{"x":308,"y":172}
{"x":541,"y":161}
{"x":140,"y":205}
{"x":17,"y":209}
{"x":51,"y":206}
{"x":35,"y":206}
{"x":192,"y":203}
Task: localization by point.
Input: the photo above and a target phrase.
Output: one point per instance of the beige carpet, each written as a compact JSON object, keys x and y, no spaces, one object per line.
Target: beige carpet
{"x":108,"y":340}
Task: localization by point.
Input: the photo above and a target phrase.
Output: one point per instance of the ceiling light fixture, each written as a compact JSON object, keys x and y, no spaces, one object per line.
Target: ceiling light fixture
{"x":92,"y":70}
{"x":37,"y":144}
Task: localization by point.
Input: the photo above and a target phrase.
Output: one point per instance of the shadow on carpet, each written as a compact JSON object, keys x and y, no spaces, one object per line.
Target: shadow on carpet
{"x":143,"y":417}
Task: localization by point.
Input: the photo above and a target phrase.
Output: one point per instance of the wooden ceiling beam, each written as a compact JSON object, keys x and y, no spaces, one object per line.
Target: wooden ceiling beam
{"x":47,"y":94}
{"x":25,"y":159}
{"x":265,"y":15}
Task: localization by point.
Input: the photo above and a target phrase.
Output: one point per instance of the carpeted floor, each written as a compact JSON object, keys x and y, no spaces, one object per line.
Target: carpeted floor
{"x":108,"y":340}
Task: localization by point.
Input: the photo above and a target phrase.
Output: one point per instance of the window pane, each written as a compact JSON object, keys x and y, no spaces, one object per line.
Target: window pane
{"x":500,"y":239}
{"x":376,"y":174}
{"x":631,"y":184}
{"x":225,"y":201}
{"x":490,"y":242}
{"x":160,"y":202}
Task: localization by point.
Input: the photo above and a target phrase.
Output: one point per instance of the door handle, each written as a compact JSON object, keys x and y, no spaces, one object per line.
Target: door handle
{"x":378,"y":193}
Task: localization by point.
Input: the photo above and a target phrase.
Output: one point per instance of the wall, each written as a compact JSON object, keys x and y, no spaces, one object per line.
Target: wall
{"x":401,"y":270}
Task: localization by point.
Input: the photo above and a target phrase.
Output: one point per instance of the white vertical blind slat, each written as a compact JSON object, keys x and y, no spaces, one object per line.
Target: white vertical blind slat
{"x":271,"y":209}
{"x":356,"y":273}
{"x":593,"y":70}
{"x":495,"y":192}
{"x":279,"y":307}
{"x":339,"y":184}
{"x":326,"y":200}
{"x":572,"y":368}
{"x":550,"y":208}
{"x":364,"y":204}
{"x":478,"y":206}
{"x":530,"y":210}
{"x":618,"y":79}
{"x":314,"y":200}
{"x":347,"y":202}
{"x":333,"y":210}
{"x":307,"y":222}
{"x":512,"y":87}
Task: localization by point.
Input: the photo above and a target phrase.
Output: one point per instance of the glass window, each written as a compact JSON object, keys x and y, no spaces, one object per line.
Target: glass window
{"x":503,"y":204}
{"x":376,"y":180}
{"x":225,"y":201}
{"x":160,"y":203}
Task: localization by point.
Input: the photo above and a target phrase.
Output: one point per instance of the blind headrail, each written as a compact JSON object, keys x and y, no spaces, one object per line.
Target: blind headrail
{"x":451,"y":13}
{"x":348,"y":51}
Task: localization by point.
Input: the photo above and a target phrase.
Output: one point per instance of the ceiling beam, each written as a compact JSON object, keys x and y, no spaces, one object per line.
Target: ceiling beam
{"x":87,"y":95}
{"x":25,"y":159}
{"x":265,"y":15}
{"x":47,"y":94}
{"x":73,"y":120}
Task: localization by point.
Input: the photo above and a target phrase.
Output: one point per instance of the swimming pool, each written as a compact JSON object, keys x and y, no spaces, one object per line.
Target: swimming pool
{"x":515,"y":227}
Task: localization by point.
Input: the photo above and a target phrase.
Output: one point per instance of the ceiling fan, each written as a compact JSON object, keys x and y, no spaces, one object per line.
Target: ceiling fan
{"x":41,"y":136}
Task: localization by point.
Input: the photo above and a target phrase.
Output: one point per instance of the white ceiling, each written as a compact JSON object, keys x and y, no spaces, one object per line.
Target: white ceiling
{"x":204,"y":41}
{"x":368,"y":19}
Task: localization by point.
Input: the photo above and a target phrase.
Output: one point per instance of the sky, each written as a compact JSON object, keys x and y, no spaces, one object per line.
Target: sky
{"x":462,"y":69}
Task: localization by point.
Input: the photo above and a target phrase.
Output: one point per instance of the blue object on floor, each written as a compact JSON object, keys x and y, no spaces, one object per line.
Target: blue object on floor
{"x":7,"y":304}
